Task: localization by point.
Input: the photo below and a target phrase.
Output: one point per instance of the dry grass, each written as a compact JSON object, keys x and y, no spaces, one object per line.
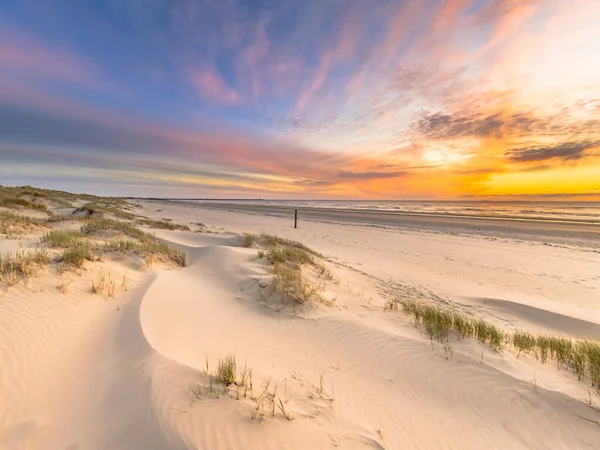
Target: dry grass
{"x":14,"y":224}
{"x":287,"y":258}
{"x":290,"y":282}
{"x":248,"y":240}
{"x":579,"y":355}
{"x":20,"y":266}
{"x":63,"y":287}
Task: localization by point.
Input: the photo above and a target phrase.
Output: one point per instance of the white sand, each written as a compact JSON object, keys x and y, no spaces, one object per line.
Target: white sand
{"x":82,"y":371}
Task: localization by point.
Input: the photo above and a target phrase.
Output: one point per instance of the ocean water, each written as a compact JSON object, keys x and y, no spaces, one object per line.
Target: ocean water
{"x":567,"y":211}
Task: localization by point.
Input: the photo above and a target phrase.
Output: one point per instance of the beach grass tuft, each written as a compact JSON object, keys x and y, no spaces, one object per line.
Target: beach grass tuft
{"x":248,"y":240}
{"x":61,"y":238}
{"x":226,"y":370}
{"x":165,"y":224}
{"x":77,"y":254}
{"x":21,"y":265}
{"x":579,"y":355}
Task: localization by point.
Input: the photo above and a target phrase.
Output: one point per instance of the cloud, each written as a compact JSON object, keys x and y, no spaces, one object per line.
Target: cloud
{"x":451,"y":126}
{"x":566,"y":151}
{"x":23,"y":55}
{"x":370,"y":175}
{"x":212,"y":87}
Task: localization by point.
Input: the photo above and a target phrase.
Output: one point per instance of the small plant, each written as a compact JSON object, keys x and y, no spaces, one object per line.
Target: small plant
{"x":76,"y":255}
{"x":125,"y":282}
{"x":64,"y":286}
{"x":99,"y":285}
{"x":164,"y":224}
{"x":248,"y":240}
{"x":226,"y":370}
{"x":261,"y":254}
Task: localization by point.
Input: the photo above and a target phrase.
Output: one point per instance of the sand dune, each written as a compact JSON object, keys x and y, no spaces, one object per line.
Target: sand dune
{"x":84,"y":371}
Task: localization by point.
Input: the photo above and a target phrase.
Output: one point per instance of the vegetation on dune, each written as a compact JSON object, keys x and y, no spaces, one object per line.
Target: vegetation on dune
{"x":163,"y":224}
{"x":108,"y":225}
{"x":99,"y":207}
{"x":248,"y":240}
{"x":61,"y":238}
{"x":21,"y":265}
{"x":77,"y":254}
{"x":145,"y":245}
{"x":13,"y":224}
{"x":288,"y":259}
{"x":582,"y":356}
{"x":11,"y":202}
{"x":150,"y":251}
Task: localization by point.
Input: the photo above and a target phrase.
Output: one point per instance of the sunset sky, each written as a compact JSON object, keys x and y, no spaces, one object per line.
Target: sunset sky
{"x":398,"y":99}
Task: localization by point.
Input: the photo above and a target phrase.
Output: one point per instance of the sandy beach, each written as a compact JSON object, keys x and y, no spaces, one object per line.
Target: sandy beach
{"x":129,"y":349}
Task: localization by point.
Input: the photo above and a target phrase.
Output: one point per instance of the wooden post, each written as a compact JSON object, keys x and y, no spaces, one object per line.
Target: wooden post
{"x":295,"y":218}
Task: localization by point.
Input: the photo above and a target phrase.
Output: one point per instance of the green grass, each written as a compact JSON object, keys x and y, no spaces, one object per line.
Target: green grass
{"x":579,"y":355}
{"x":76,"y":255}
{"x":226,"y":370}
{"x":270,"y":240}
{"x":149,"y":251}
{"x":287,"y":258}
{"x":11,"y":202}
{"x":61,"y":238}
{"x":104,"y":206}
{"x":293,"y":256}
{"x":163,"y":224}
{"x":102,"y":225}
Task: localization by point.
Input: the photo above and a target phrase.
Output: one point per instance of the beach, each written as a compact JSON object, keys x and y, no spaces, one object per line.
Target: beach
{"x":343,"y":367}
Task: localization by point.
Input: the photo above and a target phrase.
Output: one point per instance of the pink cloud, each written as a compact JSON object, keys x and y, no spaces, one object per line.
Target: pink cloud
{"x":21,"y":54}
{"x":209,"y":83}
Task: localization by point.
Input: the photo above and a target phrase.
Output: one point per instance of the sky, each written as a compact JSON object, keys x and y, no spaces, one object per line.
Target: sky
{"x":367,"y":99}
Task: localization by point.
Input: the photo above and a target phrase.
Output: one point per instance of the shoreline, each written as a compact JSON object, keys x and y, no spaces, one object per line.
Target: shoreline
{"x":563,"y":232}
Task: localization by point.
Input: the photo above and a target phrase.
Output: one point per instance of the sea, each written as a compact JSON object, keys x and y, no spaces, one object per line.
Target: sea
{"x":588,"y":212}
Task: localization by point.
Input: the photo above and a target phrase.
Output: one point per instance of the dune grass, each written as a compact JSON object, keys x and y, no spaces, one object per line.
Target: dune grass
{"x":579,"y":355}
{"x":163,"y":224}
{"x":287,"y":258}
{"x":270,"y":240}
{"x":108,"y":225}
{"x":21,"y":265}
{"x":14,"y":224}
{"x":248,"y":240}
{"x":150,"y":251}
{"x":226,"y":370}
{"x":99,"y":207}
{"x":61,"y":238}
{"x":290,"y":282}
{"x":11,"y":202}
{"x":77,"y":254}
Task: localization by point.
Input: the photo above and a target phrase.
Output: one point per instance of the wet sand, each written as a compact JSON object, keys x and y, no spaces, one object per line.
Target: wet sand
{"x":579,"y":234}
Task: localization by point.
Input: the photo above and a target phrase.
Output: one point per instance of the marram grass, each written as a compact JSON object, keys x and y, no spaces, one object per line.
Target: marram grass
{"x":582,"y":356}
